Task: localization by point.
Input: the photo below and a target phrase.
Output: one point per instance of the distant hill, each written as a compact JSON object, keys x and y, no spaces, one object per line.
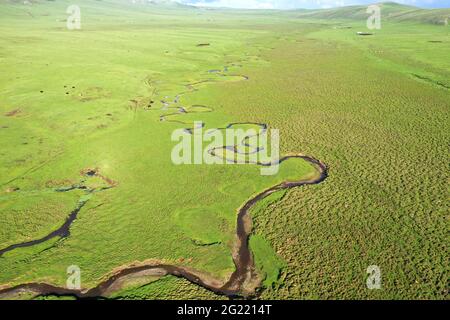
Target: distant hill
{"x":391,"y":11}
{"x":156,"y":3}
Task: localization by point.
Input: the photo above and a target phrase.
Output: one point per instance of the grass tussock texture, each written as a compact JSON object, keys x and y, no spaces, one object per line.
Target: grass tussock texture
{"x":385,"y":201}
{"x":374,"y":109}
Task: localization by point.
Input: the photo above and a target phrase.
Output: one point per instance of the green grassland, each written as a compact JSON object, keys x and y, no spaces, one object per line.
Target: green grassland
{"x":385,"y":201}
{"x":78,"y":97}
{"x":375,"y":110}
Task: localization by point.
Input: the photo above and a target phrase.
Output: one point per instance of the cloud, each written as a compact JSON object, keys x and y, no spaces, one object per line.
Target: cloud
{"x":250,"y":4}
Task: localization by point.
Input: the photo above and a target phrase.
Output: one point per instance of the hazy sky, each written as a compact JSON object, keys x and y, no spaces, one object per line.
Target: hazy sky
{"x":290,"y":4}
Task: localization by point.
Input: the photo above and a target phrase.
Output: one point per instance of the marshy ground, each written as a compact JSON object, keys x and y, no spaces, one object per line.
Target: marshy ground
{"x":93,"y":110}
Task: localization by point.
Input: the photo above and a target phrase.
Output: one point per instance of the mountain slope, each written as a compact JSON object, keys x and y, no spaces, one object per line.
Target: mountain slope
{"x":390,"y":11}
